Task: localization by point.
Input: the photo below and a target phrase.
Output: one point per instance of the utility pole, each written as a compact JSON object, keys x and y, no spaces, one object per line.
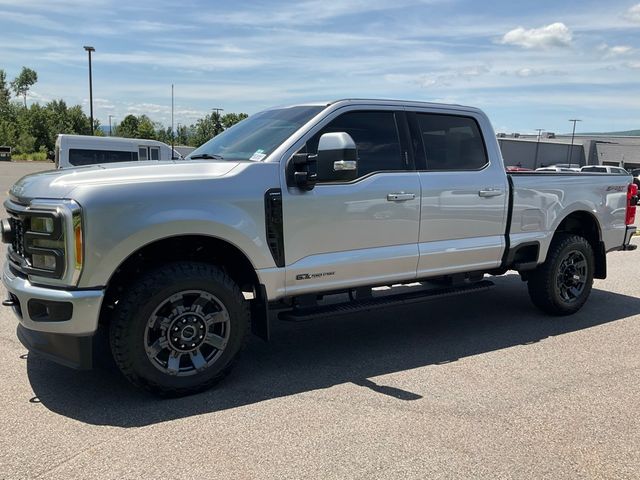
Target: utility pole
{"x":535,"y":161}
{"x":173,"y":133}
{"x":573,"y":135}
{"x":218,"y":125}
{"x":89,"y":49}
{"x":110,"y":117}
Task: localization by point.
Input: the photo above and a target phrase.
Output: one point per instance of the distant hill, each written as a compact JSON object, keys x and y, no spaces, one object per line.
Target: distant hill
{"x":628,"y":133}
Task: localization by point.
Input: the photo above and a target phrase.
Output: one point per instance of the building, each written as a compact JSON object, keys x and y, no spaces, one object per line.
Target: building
{"x":531,"y":151}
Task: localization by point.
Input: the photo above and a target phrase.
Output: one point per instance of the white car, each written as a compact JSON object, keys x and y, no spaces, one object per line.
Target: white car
{"x":556,"y":168}
{"x":604,"y":169}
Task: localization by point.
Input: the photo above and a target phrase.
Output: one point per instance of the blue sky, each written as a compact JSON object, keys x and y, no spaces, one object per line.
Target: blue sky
{"x":527,"y":64}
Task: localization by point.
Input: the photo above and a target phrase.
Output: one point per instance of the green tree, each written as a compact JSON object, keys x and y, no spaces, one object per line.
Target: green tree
{"x":5,"y":95}
{"x":79,"y":123}
{"x":23,"y":83}
{"x":146,"y":128}
{"x":230,"y":119}
{"x":182,"y":135}
{"x":163,"y":134}
{"x":205,"y":129}
{"x":128,"y":127}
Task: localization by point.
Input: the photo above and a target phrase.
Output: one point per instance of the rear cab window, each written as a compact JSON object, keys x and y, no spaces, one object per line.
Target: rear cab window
{"x":444,"y":142}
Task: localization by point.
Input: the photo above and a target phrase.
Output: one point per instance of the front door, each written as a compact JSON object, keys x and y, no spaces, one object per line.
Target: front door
{"x":361,"y":232}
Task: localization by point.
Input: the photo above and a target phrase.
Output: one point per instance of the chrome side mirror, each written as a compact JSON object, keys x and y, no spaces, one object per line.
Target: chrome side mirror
{"x":337,"y":158}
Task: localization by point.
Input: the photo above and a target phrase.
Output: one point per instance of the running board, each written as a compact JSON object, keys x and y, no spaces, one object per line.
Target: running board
{"x":302,"y":314}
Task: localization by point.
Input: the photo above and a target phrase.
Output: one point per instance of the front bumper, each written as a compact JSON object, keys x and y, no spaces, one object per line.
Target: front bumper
{"x":84,"y":306}
{"x":58,"y":324}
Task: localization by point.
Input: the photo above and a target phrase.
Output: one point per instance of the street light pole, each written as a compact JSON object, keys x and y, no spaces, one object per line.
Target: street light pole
{"x":573,"y":135}
{"x":218,"y":125}
{"x":535,"y":160}
{"x":173,"y":133}
{"x":89,"y":50}
{"x":110,"y":117}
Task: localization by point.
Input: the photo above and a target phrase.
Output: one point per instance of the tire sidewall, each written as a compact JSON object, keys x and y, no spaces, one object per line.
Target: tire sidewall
{"x":572,"y":244}
{"x":134,"y":332}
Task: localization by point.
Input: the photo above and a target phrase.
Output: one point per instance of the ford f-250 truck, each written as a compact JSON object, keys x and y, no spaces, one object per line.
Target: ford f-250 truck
{"x":179,"y":262}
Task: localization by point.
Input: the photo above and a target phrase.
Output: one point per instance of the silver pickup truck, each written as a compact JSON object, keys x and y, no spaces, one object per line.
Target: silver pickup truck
{"x":180,"y":262}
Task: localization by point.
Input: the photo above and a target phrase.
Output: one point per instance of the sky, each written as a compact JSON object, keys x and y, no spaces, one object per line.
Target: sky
{"x":528,"y":64}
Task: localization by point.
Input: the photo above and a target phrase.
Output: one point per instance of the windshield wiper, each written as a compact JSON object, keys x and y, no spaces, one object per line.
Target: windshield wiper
{"x":206,"y":156}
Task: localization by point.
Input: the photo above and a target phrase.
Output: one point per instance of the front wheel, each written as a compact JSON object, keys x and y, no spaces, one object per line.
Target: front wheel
{"x":178,"y":330}
{"x":562,"y":284}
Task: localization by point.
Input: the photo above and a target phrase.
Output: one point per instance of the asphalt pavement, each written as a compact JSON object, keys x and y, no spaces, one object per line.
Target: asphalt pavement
{"x":477,"y":386}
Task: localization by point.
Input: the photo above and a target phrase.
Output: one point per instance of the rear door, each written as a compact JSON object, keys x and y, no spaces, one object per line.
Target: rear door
{"x":360,"y":232}
{"x":464,"y":194}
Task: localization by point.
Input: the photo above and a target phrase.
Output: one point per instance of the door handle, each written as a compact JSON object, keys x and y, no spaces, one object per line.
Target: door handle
{"x":400,"y":197}
{"x":490,"y":192}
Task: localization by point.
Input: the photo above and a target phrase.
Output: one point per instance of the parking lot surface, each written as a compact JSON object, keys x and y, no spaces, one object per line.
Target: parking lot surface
{"x":477,"y":386}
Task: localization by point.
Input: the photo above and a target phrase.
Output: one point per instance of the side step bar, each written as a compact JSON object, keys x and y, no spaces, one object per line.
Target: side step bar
{"x":302,"y":314}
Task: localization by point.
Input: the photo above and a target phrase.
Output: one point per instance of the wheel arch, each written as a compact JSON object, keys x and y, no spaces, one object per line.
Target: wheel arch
{"x":195,"y":247}
{"x":585,"y":224}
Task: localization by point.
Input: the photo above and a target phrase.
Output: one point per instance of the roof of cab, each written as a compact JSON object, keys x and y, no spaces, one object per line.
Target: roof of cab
{"x":383,"y":102}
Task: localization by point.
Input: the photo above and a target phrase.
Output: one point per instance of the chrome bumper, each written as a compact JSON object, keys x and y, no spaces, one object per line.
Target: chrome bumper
{"x":81,"y":308}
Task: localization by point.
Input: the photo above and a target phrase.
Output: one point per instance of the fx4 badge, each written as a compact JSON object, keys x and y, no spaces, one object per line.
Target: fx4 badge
{"x":309,"y":276}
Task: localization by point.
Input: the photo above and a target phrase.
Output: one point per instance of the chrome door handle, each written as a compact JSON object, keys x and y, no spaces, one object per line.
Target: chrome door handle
{"x":490,"y":192}
{"x":400,"y":197}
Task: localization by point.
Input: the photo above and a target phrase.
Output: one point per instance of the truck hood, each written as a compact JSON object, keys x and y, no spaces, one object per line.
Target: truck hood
{"x":60,"y":183}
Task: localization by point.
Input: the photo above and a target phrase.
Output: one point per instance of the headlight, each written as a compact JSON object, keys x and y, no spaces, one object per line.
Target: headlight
{"x":46,"y":240}
{"x":42,"y":224}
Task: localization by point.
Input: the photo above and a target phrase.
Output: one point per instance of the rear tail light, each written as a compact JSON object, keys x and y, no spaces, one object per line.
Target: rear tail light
{"x":632,"y":201}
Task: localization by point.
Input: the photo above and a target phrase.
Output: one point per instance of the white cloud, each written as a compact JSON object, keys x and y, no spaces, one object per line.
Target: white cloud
{"x":614,"y":51}
{"x":633,"y":13}
{"x":634,"y":65}
{"x":304,"y":12}
{"x":446,"y":78}
{"x":554,"y":35}
{"x":528,"y":72}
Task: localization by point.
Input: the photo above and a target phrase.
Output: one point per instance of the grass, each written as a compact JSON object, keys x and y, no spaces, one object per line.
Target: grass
{"x":30,"y":157}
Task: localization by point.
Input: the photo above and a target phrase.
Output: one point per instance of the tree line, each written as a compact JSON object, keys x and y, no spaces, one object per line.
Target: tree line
{"x":32,"y":130}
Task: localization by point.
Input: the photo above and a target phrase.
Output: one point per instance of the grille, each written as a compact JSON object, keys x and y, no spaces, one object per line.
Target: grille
{"x":18,"y":236}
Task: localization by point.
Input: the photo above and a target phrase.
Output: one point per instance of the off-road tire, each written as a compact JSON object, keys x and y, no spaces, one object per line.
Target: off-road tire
{"x":129,"y":323}
{"x":543,"y":282}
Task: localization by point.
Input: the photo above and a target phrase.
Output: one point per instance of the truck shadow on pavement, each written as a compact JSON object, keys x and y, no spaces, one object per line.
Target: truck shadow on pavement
{"x":324,"y":353}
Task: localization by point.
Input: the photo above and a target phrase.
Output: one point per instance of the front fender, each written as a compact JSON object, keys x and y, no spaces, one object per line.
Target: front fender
{"x":121,"y":219}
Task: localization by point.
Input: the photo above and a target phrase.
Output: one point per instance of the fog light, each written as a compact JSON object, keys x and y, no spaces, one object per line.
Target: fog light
{"x":43,"y":262}
{"x":42,"y":224}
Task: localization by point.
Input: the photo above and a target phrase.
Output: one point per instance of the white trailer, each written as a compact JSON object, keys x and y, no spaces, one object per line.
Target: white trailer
{"x":80,"y":150}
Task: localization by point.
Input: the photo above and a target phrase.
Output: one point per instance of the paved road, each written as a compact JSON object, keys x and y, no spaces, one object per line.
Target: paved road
{"x":481,"y":386}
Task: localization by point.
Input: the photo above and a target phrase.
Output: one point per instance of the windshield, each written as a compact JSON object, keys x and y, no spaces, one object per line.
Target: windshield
{"x":257,"y":136}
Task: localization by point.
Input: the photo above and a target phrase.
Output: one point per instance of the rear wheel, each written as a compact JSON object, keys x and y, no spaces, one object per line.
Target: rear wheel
{"x":562,"y":284}
{"x":179,"y":329}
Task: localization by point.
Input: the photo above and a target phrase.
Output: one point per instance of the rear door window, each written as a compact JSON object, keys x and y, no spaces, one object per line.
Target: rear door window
{"x":155,"y":153}
{"x":451,"y":142}
{"x":143,"y":154}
